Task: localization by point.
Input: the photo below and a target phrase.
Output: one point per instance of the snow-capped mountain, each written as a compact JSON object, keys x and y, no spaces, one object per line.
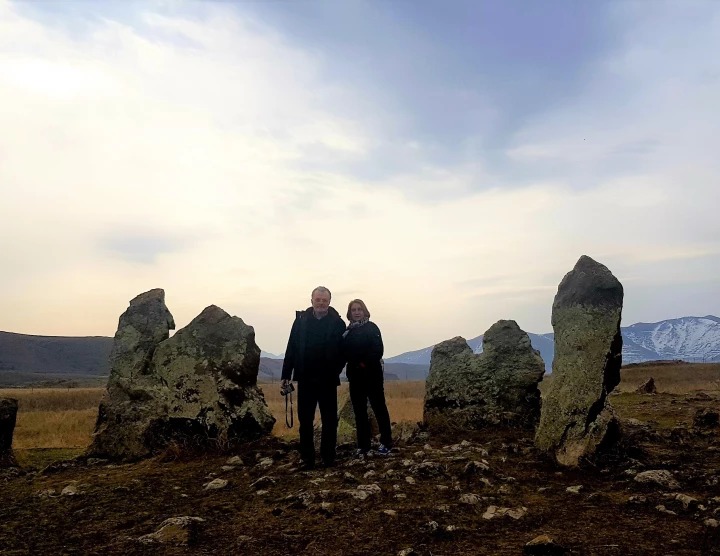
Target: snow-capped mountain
{"x":694,"y":339}
{"x":541,"y":342}
{"x":686,"y":338}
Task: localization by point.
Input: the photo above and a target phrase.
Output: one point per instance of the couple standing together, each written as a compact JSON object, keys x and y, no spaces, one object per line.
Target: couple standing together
{"x":320,"y":345}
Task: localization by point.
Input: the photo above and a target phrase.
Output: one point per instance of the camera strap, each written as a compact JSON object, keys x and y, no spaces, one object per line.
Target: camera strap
{"x":289,"y":424}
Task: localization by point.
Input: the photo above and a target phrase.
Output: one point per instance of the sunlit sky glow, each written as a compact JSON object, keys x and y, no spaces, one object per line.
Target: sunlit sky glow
{"x":446,"y":162}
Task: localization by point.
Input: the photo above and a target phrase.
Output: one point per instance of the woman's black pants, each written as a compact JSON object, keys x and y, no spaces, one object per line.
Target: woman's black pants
{"x":372,"y":389}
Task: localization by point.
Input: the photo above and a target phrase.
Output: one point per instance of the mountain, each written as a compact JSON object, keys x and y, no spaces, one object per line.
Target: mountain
{"x":695,"y":339}
{"x":271,"y":355}
{"x":55,"y":354}
{"x":421,"y":357}
{"x":687,"y":338}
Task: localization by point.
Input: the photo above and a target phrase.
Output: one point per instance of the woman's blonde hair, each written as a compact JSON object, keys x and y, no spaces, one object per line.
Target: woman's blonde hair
{"x":362,"y":304}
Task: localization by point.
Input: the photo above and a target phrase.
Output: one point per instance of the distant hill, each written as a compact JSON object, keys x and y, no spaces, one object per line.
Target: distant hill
{"x":692,"y":339}
{"x":55,"y":354}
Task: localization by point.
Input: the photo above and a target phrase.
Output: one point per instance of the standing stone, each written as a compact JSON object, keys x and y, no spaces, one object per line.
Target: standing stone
{"x":497,"y":387}
{"x":8,"y":417}
{"x":198,"y":388}
{"x":347,"y":430}
{"x":647,"y":387}
{"x":576,"y":420}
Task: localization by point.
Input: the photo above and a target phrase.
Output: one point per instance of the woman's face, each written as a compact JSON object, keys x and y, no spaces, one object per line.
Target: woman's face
{"x":356,"y":312}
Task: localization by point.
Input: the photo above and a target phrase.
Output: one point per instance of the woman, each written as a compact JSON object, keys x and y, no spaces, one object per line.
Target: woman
{"x":362,"y":347}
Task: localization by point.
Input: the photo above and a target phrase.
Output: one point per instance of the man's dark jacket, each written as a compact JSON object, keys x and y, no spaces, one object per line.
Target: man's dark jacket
{"x":294,"y":363}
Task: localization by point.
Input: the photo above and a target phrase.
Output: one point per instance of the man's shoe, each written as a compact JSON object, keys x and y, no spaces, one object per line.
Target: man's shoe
{"x":383,"y":450}
{"x":359,"y":453}
{"x":328,"y":463}
{"x":306,"y":466}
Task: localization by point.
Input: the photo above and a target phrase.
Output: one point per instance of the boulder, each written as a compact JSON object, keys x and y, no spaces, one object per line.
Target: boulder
{"x":706,"y":418}
{"x":647,"y":387}
{"x":497,"y":387}
{"x":175,"y":530}
{"x":346,"y":428}
{"x":346,"y":420}
{"x":576,"y":421}
{"x":8,"y":417}
{"x":544,"y":546}
{"x":197,"y":389}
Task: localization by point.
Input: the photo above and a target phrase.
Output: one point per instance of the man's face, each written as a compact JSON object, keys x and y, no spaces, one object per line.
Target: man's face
{"x":320,"y":302}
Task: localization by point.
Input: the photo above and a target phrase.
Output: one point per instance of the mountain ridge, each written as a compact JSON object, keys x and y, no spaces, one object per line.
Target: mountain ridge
{"x":688,"y":338}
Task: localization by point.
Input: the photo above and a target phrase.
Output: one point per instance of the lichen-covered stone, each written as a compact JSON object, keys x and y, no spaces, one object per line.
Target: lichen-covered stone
{"x":198,"y":388}
{"x":497,"y":387}
{"x":8,"y":417}
{"x":576,"y":420}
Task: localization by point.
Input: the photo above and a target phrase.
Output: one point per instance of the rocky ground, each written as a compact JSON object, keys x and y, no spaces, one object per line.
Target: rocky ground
{"x":485,"y":493}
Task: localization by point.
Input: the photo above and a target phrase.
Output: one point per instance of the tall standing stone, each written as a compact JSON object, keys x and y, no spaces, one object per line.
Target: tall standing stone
{"x":198,"y":388}
{"x":497,"y":387}
{"x":8,"y":417}
{"x":576,"y":420}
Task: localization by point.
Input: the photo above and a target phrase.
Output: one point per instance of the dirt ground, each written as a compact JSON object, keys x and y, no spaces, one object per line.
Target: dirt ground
{"x":315,"y":513}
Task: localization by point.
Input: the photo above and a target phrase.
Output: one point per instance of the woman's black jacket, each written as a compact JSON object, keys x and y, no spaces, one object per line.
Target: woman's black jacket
{"x":362,"y":348}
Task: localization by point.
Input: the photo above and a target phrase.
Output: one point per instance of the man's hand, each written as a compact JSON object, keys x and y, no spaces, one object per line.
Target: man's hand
{"x":283,"y":383}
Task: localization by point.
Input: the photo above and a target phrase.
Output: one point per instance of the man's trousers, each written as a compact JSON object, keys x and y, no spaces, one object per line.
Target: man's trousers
{"x":310,"y":395}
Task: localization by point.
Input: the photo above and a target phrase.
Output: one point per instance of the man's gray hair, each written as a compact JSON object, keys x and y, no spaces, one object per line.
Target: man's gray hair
{"x":321,"y":289}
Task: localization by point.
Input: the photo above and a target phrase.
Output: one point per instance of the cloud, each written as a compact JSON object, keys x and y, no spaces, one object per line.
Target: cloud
{"x":243,"y":153}
{"x":136,"y":245}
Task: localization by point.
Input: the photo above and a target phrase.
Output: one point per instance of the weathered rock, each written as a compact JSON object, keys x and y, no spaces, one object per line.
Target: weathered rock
{"x":198,"y":388}
{"x":8,"y":417}
{"x":346,"y":427}
{"x":574,"y":489}
{"x":544,"y":546}
{"x":497,"y":387}
{"x":176,"y":530}
{"x":494,"y":511}
{"x":346,"y":419}
{"x":468,"y":498}
{"x":216,"y":484}
{"x":706,"y":418}
{"x":662,"y":509}
{"x":688,"y":502}
{"x":660,"y":477}
{"x":427,"y":469}
{"x":404,"y":432}
{"x":647,"y":387}
{"x":70,"y":490}
{"x":576,"y":421}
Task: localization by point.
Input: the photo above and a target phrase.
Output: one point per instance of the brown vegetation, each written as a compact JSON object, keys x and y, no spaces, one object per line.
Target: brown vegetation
{"x":612,"y":514}
{"x":64,"y":418}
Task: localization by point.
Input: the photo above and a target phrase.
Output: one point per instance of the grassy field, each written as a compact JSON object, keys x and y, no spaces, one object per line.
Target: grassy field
{"x":64,"y":418}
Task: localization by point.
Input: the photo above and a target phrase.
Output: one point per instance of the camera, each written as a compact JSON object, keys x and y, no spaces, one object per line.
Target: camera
{"x":285,"y":389}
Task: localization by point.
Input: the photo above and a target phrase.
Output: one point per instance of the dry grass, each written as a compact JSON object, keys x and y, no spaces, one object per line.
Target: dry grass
{"x":672,"y":379}
{"x":64,"y":418}
{"x":404,"y":400}
{"x":54,"y":399}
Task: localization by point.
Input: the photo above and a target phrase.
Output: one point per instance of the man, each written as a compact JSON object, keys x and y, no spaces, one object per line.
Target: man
{"x":314,"y":360}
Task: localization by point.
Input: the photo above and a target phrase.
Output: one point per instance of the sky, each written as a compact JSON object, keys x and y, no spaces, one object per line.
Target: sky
{"x":447,"y":162}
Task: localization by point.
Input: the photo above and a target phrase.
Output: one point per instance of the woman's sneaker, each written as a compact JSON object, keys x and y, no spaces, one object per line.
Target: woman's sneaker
{"x":383,"y":450}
